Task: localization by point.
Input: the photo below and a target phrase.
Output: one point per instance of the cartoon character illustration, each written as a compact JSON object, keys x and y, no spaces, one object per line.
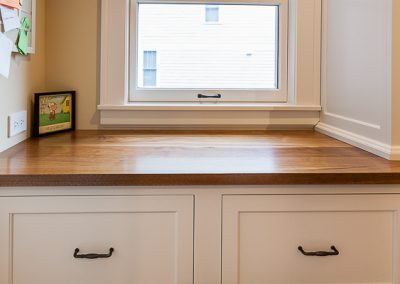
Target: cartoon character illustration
{"x":53,"y":109}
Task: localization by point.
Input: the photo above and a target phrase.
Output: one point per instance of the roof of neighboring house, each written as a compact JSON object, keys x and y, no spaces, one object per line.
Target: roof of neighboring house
{"x":66,"y":98}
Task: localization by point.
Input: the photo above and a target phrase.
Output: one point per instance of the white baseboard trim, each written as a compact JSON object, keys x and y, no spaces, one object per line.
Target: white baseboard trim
{"x":378,"y":148}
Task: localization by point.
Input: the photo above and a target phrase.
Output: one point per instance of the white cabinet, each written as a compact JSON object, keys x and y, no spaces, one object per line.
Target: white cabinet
{"x":261,"y":237}
{"x":215,"y":235}
{"x":152,"y":238}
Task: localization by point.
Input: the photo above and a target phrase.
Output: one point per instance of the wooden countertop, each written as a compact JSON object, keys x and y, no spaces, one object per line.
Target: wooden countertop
{"x":144,"y":158}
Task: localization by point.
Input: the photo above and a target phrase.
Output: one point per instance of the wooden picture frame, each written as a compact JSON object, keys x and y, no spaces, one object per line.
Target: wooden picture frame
{"x":54,"y":112}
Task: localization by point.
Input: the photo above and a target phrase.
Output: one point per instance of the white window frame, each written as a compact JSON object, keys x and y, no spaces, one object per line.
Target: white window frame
{"x":302,"y":109}
{"x":279,"y":95}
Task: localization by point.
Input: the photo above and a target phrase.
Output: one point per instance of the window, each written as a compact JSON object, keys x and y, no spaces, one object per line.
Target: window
{"x":175,"y":57}
{"x":295,"y":92}
{"x":149,"y":68}
{"x":212,"y":14}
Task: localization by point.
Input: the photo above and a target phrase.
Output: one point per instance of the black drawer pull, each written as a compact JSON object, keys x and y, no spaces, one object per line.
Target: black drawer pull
{"x":93,"y":255}
{"x":201,"y":96}
{"x":320,"y":253}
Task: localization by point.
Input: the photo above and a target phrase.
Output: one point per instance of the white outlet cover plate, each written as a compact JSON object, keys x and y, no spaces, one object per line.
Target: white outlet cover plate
{"x":17,"y":123}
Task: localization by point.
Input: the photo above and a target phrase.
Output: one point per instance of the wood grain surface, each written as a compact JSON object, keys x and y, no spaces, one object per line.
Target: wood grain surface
{"x":146,"y":158}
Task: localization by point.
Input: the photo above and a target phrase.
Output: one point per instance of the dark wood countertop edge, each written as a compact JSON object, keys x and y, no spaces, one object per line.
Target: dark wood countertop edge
{"x":86,"y":180}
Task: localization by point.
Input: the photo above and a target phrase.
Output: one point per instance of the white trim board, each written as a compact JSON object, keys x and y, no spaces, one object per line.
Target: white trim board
{"x":209,"y":106}
{"x":373,"y":146}
{"x":191,"y":118}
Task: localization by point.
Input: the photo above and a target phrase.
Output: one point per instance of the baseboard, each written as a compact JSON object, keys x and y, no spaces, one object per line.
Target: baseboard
{"x":375,"y":147}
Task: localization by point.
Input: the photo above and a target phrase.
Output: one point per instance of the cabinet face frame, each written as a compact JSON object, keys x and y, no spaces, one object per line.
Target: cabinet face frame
{"x":181,"y":205}
{"x":233,"y":205}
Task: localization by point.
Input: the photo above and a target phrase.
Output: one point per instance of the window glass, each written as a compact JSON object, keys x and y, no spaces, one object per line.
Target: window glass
{"x":176,"y":50}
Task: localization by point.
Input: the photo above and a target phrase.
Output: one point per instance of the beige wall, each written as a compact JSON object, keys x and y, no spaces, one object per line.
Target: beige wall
{"x":396,"y":75}
{"x":27,"y":76}
{"x":72,"y":53}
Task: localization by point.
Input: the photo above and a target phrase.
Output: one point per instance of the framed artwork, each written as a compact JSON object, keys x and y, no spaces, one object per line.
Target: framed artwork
{"x":53,"y":113}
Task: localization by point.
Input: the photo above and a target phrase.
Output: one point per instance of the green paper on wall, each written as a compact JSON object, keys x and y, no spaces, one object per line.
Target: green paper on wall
{"x":23,"y":36}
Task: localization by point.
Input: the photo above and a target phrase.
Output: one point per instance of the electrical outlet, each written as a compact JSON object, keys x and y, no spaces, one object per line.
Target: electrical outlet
{"x":17,"y":123}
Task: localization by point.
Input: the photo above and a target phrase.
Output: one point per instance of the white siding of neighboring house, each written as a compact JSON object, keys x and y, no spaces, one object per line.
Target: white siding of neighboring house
{"x":238,"y":52}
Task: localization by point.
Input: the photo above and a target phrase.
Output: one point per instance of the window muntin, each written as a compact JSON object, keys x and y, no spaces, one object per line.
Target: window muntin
{"x":247,"y":66}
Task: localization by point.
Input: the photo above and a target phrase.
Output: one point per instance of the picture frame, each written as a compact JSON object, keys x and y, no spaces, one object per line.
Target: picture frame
{"x":54,"y":112}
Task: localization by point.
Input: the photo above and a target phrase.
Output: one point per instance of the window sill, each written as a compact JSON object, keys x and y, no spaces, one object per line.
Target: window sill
{"x":209,"y":115}
{"x":208,"y":107}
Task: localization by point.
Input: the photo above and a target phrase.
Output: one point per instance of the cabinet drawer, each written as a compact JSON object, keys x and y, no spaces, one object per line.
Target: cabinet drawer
{"x":262,"y":235}
{"x":152,"y":238}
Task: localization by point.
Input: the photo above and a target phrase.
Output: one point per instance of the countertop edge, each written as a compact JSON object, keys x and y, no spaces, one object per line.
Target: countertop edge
{"x":187,"y":179}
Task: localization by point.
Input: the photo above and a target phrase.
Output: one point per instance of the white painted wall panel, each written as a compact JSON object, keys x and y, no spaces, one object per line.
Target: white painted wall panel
{"x":307,"y":26}
{"x":356,"y":69}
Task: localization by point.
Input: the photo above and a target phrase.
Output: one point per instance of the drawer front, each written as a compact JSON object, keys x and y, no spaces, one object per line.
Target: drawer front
{"x":262,"y":236}
{"x":152,"y":238}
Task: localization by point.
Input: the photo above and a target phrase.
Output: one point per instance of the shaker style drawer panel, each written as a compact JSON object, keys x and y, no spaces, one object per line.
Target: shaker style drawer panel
{"x":309,"y":239}
{"x":121,"y":240}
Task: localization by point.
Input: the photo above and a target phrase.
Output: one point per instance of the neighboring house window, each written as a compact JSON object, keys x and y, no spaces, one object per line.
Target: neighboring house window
{"x":149,"y":68}
{"x":212,"y":14}
{"x":243,"y":60}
